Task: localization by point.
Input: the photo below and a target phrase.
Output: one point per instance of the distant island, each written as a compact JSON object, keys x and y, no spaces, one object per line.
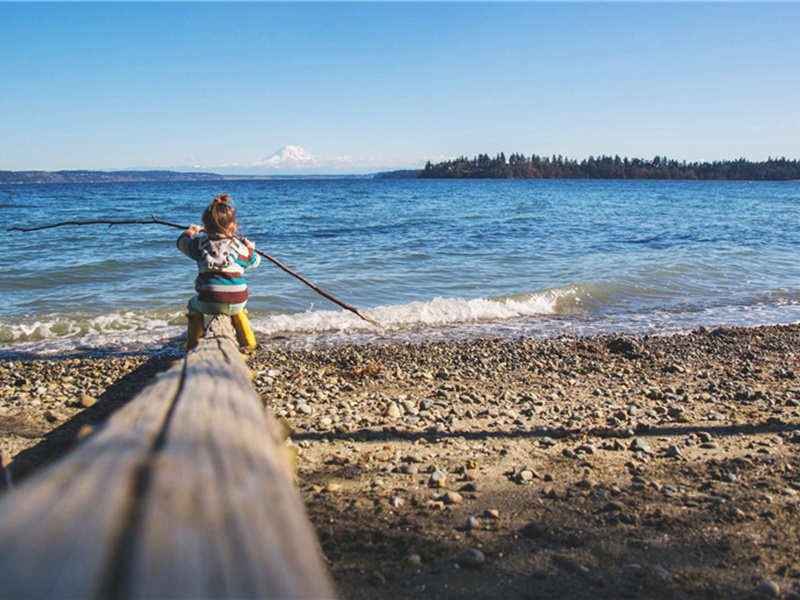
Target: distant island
{"x":517,"y":166}
{"x":28,"y":177}
{"x":45,"y":177}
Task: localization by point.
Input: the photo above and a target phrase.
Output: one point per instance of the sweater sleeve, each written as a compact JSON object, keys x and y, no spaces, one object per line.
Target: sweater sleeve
{"x":247,"y":258}
{"x":188,"y":245}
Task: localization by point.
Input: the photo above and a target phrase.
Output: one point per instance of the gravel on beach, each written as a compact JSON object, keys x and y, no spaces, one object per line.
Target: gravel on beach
{"x":605,"y":467}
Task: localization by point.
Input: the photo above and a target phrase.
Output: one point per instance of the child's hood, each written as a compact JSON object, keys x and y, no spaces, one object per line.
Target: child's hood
{"x":218,"y":253}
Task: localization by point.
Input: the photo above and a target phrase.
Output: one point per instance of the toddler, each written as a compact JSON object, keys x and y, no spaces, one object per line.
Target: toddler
{"x":221,"y":261}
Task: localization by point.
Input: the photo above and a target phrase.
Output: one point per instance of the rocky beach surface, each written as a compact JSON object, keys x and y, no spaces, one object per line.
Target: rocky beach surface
{"x":606,"y":467}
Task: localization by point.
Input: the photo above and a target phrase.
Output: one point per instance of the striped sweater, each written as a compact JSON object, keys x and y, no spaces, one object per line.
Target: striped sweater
{"x":220,"y":267}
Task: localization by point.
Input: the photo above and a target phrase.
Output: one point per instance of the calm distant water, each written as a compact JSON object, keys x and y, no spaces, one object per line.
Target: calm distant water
{"x":428,"y":259}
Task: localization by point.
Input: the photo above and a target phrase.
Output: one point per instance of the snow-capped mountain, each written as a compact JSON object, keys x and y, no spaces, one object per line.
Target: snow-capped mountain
{"x":294,"y":160}
{"x":291,"y":157}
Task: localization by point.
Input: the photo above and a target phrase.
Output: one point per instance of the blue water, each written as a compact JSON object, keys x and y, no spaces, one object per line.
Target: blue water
{"x":429,"y":259}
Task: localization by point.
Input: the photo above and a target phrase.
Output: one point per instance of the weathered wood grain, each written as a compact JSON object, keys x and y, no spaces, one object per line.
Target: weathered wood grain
{"x":185,"y":493}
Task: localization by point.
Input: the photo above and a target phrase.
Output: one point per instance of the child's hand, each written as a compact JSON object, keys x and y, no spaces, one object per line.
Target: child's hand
{"x":250,"y":245}
{"x":193,"y":230}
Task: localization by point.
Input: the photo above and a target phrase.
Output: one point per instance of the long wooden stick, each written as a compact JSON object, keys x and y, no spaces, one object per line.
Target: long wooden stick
{"x":154,"y":221}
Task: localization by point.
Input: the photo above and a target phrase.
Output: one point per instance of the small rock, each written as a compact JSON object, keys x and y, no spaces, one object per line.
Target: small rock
{"x":659,"y":572}
{"x":673,"y":451}
{"x":535,"y":530}
{"x":438,"y":479}
{"x":473,"y":522}
{"x":613,"y":506}
{"x":377,"y":578}
{"x":393,"y":411}
{"x":640,"y":445}
{"x":453,"y":498}
{"x":471,"y":557}
{"x":87,"y":400}
{"x":768,"y":589}
{"x":414,"y":560}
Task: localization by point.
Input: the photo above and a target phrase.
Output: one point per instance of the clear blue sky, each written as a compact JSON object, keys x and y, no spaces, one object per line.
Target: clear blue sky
{"x":119,"y":85}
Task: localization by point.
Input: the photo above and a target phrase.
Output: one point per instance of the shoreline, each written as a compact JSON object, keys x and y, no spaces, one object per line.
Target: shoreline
{"x":606,"y":466}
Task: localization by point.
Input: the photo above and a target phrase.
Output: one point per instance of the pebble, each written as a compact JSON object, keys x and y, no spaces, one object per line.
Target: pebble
{"x":473,"y":522}
{"x":393,"y":411}
{"x":613,"y":506}
{"x":452,"y":498}
{"x":535,"y":530}
{"x":411,"y":469}
{"x":438,"y":479}
{"x":471,"y":557}
{"x":88,"y":401}
{"x":640,"y":445}
{"x":768,"y":589}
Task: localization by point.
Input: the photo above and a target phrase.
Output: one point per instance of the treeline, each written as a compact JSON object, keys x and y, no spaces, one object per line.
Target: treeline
{"x":28,"y":177}
{"x":517,"y":166}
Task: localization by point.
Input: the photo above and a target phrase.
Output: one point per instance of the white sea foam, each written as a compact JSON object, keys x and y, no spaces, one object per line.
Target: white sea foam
{"x":439,"y":312}
{"x":572,"y":310}
{"x":137,"y":329}
{"x":56,"y":334}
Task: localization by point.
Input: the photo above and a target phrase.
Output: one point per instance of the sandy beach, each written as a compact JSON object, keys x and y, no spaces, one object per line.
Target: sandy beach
{"x":607,"y":467}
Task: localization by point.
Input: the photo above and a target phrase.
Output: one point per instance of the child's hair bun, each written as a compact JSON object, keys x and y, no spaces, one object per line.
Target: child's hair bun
{"x":222,"y":198}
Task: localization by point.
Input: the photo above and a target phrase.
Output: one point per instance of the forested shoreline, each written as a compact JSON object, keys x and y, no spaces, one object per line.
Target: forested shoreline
{"x":518,"y":166}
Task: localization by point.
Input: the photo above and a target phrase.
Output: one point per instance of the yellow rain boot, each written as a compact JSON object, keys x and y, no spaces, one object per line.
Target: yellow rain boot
{"x":244,"y":335}
{"x":194,"y":330}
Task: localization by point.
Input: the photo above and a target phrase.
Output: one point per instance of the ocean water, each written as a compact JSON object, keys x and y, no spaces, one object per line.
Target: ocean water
{"x":429,"y":259}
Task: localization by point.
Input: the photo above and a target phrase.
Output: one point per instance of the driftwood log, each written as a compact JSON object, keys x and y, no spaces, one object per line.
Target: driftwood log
{"x":186,"y":492}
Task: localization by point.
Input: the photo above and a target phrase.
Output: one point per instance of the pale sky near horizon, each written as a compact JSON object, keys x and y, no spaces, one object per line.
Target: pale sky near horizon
{"x":166,"y":85}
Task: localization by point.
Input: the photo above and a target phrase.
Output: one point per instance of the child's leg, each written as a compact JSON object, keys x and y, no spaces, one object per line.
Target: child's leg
{"x":244,"y":335}
{"x":194,"y":331}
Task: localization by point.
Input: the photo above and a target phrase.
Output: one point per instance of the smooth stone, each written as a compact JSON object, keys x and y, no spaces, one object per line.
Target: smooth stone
{"x":471,"y":557}
{"x":453,"y":498}
{"x":640,"y":445}
{"x":438,"y":478}
{"x":473,"y":522}
{"x":768,"y":589}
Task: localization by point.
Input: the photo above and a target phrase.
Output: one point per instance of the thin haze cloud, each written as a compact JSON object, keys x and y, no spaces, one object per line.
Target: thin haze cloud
{"x":391,"y":85}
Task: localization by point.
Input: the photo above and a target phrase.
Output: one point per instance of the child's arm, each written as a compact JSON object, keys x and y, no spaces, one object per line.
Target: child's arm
{"x":185,"y":244}
{"x":252,"y":260}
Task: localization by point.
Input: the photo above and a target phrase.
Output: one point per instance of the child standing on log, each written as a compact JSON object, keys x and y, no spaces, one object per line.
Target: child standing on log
{"x":221,"y":261}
